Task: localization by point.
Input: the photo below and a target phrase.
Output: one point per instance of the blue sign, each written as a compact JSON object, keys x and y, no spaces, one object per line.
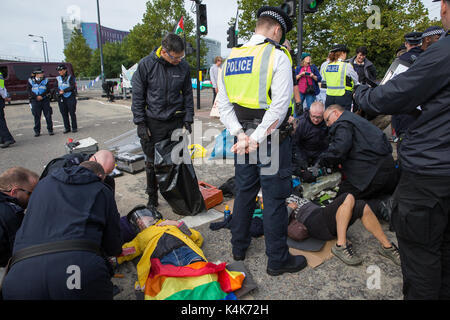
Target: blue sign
{"x":239,"y":66}
{"x":332,"y":68}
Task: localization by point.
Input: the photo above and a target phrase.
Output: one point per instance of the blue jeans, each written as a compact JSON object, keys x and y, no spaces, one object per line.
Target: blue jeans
{"x":310,"y":98}
{"x":181,"y":256}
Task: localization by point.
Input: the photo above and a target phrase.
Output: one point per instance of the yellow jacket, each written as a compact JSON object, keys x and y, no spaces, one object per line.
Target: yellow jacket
{"x":145,"y":243}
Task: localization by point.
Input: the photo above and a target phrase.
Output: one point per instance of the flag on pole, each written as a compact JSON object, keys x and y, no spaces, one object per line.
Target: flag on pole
{"x":180,"y":26}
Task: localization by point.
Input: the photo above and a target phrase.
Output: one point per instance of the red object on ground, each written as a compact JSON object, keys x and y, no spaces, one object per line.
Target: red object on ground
{"x":211,"y":195}
{"x":70,"y":140}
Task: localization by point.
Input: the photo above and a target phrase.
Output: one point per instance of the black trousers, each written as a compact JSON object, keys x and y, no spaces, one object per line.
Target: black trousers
{"x":421,"y":221}
{"x":214,"y":95}
{"x":344,"y":101}
{"x":160,"y":130}
{"x":381,"y":187}
{"x":39,"y":107}
{"x":68,"y":106}
{"x":321,"y":224}
{"x":5,"y":135}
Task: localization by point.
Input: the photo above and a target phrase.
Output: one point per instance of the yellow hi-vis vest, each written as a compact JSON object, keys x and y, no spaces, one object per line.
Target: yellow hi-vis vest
{"x":2,"y":81}
{"x":247,"y":75}
{"x":336,"y":78}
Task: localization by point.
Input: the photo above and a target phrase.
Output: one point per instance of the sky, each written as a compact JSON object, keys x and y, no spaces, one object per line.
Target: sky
{"x":24,"y":17}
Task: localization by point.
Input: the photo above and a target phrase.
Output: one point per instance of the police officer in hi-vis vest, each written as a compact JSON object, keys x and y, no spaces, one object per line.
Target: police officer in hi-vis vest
{"x":66,"y":98}
{"x":6,"y":139}
{"x":40,"y":103}
{"x":255,"y":91}
{"x":340,"y":78}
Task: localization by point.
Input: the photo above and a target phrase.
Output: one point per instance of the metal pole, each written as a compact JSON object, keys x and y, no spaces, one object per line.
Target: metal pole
{"x":43,"y":49}
{"x":197,"y":6}
{"x":46,"y":50}
{"x":100,"y":43}
{"x":300,"y":32}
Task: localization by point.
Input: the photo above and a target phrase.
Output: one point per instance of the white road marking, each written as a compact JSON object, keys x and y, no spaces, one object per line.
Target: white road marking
{"x":114,"y":104}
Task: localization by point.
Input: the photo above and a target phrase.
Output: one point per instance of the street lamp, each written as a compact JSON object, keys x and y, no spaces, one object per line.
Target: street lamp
{"x":43,"y":45}
{"x":46,"y":49}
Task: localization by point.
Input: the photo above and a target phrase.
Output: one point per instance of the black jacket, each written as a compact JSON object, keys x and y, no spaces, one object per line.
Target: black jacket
{"x":11,"y":216}
{"x":425,"y":148}
{"x":368,"y":70}
{"x":411,"y":55}
{"x":71,"y":203}
{"x":359,"y":146}
{"x":309,"y":139}
{"x":162,"y":90}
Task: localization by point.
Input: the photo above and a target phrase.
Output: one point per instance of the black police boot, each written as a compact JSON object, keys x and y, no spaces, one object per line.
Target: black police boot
{"x":66,"y":131}
{"x":293,"y":264}
{"x":37,"y":134}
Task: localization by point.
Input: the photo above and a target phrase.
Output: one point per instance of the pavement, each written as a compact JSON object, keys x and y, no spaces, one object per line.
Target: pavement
{"x":377,"y":278}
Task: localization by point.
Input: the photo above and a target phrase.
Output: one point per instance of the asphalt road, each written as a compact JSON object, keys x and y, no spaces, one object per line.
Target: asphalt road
{"x":102,"y":121}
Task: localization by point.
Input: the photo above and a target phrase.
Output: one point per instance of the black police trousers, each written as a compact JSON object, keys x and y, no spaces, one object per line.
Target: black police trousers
{"x":5,"y":135}
{"x":420,"y":218}
{"x":251,"y":175}
{"x":39,"y":107}
{"x":160,"y":130}
{"x":344,"y":101}
{"x":68,"y":106}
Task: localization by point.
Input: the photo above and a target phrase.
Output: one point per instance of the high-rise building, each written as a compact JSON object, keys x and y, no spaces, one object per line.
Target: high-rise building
{"x":214,"y":50}
{"x":89,"y":31}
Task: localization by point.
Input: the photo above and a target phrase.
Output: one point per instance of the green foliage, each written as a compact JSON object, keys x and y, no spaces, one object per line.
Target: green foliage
{"x":346,"y":21}
{"x":160,"y":18}
{"x":114,"y":56}
{"x":78,"y":54}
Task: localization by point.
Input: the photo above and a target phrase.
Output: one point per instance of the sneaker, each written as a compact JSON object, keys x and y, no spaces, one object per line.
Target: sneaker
{"x":66,"y":131}
{"x":346,"y":254}
{"x":74,"y":130}
{"x":390,"y":253}
{"x":37,"y":134}
{"x":294,"y":264}
{"x":51,"y":133}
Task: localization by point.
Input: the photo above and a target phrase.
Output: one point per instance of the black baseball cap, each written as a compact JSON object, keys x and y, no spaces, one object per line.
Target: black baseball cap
{"x":340,"y":47}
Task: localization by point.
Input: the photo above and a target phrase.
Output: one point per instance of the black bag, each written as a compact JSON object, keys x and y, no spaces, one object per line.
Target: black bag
{"x":177,"y":182}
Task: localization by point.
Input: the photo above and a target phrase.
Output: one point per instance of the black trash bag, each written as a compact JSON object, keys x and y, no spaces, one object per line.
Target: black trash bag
{"x":177,"y":181}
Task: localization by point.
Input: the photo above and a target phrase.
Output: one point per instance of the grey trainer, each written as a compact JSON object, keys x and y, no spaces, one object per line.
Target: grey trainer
{"x":346,"y":254}
{"x":390,"y":253}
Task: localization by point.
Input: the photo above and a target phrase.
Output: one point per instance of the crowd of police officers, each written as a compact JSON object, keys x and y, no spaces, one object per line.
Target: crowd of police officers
{"x":255,"y":98}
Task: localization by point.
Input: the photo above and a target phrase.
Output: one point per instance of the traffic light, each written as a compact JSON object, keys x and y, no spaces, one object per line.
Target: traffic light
{"x":231,"y":37}
{"x":203,"y":25}
{"x":310,"y":6}
{"x":289,"y":7}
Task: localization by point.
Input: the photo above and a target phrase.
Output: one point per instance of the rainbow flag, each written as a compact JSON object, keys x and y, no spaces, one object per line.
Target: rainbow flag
{"x":196,"y":281}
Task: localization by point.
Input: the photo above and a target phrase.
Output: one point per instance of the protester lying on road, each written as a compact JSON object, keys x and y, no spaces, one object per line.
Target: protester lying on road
{"x":333,"y":220}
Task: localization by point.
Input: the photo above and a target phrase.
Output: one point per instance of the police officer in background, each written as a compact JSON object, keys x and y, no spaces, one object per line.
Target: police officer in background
{"x":422,"y":198}
{"x":430,"y":36}
{"x":340,"y":78}
{"x":413,"y":41}
{"x":255,"y":90}
{"x":66,"y":98}
{"x":40,"y":103}
{"x":6,"y":139}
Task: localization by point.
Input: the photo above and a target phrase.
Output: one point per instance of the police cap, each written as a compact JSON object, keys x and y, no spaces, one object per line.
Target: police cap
{"x":279,"y":16}
{"x":61,"y":67}
{"x":413,"y":38}
{"x":432,"y":31}
{"x":340,"y":47}
{"x":38,"y":71}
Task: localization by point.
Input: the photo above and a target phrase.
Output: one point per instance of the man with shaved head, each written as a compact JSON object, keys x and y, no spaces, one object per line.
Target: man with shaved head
{"x":104,"y":157}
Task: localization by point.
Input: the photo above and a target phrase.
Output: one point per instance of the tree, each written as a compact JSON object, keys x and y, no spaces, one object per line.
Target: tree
{"x":78,"y":53}
{"x":160,"y":18}
{"x":350,"y":22}
{"x":114,"y":56}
